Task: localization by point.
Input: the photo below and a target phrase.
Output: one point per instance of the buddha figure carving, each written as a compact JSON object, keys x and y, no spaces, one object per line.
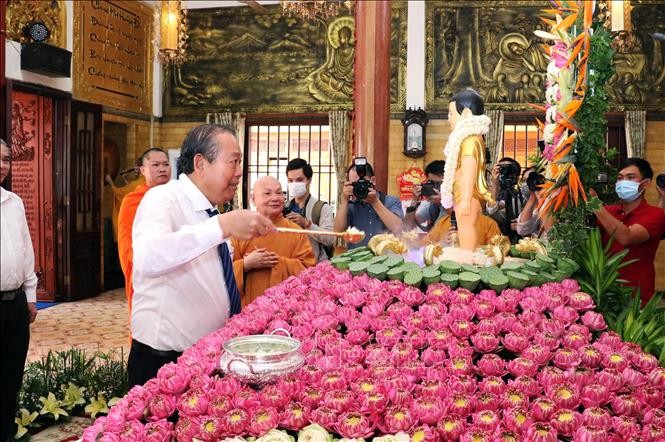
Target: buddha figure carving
{"x":464,"y":187}
{"x":333,"y":82}
{"x":517,"y":58}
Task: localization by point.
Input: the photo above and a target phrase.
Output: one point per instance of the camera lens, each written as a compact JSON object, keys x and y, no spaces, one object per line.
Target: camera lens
{"x":361,"y":189}
{"x":535,"y":181}
{"x":660,"y":180}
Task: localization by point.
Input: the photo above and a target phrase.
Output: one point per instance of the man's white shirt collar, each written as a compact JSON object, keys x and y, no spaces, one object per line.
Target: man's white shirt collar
{"x":194,"y":194}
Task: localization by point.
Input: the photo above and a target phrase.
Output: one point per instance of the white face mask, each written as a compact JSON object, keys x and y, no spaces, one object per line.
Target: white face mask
{"x":297,"y":190}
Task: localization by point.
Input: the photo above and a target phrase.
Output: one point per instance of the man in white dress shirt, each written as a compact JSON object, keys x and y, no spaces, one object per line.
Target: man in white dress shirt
{"x":183,"y":275}
{"x":18,"y":294}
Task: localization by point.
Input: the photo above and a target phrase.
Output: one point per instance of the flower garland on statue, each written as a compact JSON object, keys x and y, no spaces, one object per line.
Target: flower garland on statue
{"x":465,"y":127}
{"x":564,"y":95}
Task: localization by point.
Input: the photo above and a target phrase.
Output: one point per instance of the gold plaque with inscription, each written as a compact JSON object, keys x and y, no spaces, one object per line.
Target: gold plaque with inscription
{"x":113,"y":54}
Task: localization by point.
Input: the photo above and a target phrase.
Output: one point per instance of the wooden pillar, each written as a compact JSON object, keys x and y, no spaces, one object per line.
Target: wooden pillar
{"x":372,"y":86}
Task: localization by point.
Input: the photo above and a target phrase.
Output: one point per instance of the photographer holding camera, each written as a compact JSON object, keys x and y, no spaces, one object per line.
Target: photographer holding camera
{"x":423,"y":214}
{"x":509,"y":197}
{"x":366,"y":208}
{"x":528,"y":221}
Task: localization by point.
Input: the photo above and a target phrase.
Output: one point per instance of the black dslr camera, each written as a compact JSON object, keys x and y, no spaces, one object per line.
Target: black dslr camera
{"x":362,"y":186}
{"x":508,"y":173}
{"x":660,"y":180}
{"x":535,"y":181}
{"x":430,"y":188}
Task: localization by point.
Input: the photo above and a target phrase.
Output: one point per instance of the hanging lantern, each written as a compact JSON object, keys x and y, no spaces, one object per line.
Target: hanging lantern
{"x":172,"y":21}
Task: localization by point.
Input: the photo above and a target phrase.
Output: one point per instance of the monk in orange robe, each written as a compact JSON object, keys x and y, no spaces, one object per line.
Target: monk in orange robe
{"x":156,"y":170}
{"x":260,"y":263}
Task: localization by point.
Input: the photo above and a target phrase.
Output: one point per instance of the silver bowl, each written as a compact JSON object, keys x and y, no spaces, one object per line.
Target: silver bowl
{"x":261,"y":359}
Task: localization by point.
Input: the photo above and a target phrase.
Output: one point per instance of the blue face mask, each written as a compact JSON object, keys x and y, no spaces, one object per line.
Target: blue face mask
{"x":628,"y":190}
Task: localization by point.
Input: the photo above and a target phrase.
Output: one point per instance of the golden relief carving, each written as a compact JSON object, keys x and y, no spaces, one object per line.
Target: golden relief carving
{"x":490,"y":46}
{"x":272,"y":63}
{"x":112,"y":57}
{"x":52,"y":13}
{"x":333,"y":82}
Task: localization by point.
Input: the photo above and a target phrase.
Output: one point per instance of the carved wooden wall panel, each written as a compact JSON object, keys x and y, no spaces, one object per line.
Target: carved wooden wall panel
{"x":32,"y":179}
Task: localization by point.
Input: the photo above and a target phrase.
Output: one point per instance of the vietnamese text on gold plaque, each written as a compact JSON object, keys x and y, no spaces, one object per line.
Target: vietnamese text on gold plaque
{"x":113,"y":56}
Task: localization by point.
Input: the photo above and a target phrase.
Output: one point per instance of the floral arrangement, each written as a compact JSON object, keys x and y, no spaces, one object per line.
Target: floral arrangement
{"x":383,"y":358}
{"x":67,"y":383}
{"x":565,"y":90}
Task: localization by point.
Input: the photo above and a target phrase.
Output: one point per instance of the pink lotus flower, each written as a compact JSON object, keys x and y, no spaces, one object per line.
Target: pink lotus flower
{"x":644,"y":362}
{"x":483,"y":309}
{"x":491,"y":364}
{"x":594,"y":321}
{"x":325,"y":417}
{"x":581,"y":301}
{"x":654,"y":416}
{"x":159,"y":431}
{"x":396,"y":419}
{"x":333,"y":380}
{"x":186,"y":428}
{"x":373,"y":403}
{"x":537,"y":353}
{"x":485,"y":342}
{"x":564,"y":395}
{"x":506,"y":303}
{"x":272,"y":396}
{"x":358,"y":337}
{"x":431,"y":388}
{"x":411,"y":296}
{"x":566,"y":358}
{"x":247,"y":399}
{"x":547,"y":340}
{"x":463,"y":384}
{"x":522,"y":367}
{"x":513,"y":398}
{"x":574,"y":340}
{"x":426,"y":410}
{"x":653,"y":433}
{"x":541,"y":432}
{"x":610,"y":378}
{"x":161,"y":406}
{"x":474,"y":434}
{"x":424,"y":433}
{"x":210,"y":428}
{"x":581,"y":376}
{"x":650,"y":396}
{"x":615,"y":360}
{"x":488,"y":326}
{"x":462,"y":328}
{"x":526,"y":384}
{"x":461,"y":296}
{"x":657,"y":377}
{"x":311,"y":397}
{"x":590,"y":356}
{"x":132,"y":431}
{"x":263,"y":420}
{"x":565,"y":314}
{"x":461,"y":404}
{"x":515,"y":343}
{"x":413,"y":370}
{"x":492,"y":384}
{"x":460,"y":348}
{"x":594,"y":395}
{"x":626,"y":426}
{"x":506,"y":436}
{"x":173,"y":379}
{"x":487,"y":420}
{"x":338,"y":400}
{"x":388,"y":337}
{"x":295,"y":416}
{"x":517,"y":420}
{"x":487,"y":401}
{"x":355,"y":298}
{"x":566,"y":421}
{"x":461,"y":312}
{"x":542,"y":409}
{"x":439,"y":293}
{"x":433,"y":357}
{"x":193,"y":402}
{"x":227,"y":386}
{"x":597,"y":417}
{"x":354,"y":425}
{"x":451,"y":427}
{"x":626,"y":405}
{"x":590,"y":434}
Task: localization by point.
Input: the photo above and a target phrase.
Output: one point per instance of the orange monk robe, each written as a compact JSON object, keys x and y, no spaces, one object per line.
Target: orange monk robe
{"x":486,"y":228}
{"x":294,"y":251}
{"x":119,"y":194}
{"x":126,"y":214}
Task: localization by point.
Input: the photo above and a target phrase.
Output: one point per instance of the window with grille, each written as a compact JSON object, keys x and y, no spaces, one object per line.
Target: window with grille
{"x":269,"y":147}
{"x":521,"y":135}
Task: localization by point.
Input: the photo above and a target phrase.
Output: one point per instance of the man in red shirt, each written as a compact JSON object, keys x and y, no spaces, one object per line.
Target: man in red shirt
{"x":636,"y":225}
{"x":155,"y":167}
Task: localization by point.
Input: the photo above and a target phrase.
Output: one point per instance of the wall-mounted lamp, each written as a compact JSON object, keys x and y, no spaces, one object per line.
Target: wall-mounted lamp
{"x":172,"y":32}
{"x":415,"y":123}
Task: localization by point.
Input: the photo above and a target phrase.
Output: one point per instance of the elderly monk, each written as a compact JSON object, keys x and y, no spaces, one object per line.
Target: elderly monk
{"x":263,"y":262}
{"x":156,"y":169}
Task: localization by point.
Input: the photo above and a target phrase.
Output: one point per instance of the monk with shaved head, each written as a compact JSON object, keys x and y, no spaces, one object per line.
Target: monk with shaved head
{"x":263,"y":262}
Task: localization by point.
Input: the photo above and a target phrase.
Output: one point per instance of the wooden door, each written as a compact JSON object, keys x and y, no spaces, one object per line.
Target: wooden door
{"x":32,"y":132}
{"x":83,"y":202}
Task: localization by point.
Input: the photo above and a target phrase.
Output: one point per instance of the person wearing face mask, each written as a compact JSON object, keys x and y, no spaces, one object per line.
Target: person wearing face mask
{"x":307,"y":211}
{"x":635,"y":225}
